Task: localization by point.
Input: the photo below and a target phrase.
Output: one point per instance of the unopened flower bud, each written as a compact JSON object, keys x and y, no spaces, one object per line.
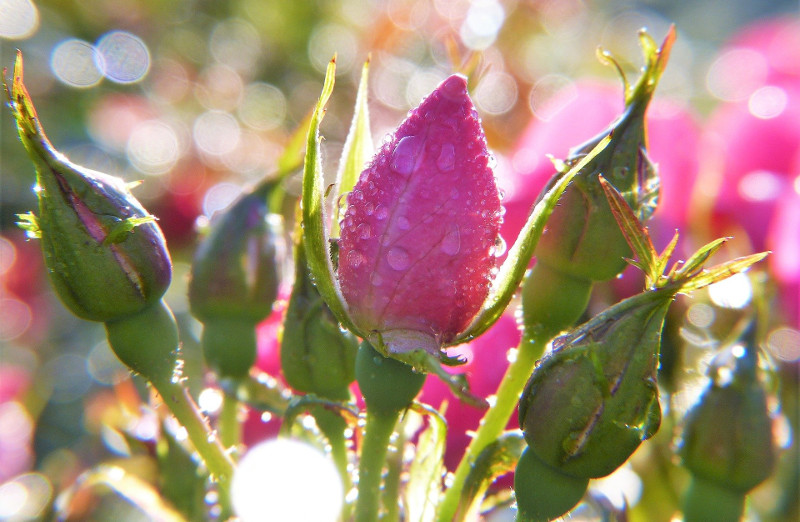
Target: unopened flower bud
{"x":234,"y":282}
{"x":316,"y":355}
{"x":106,"y":257}
{"x":593,"y":400}
{"x":582,"y":238}
{"x":416,"y":254}
{"x":727,"y":441}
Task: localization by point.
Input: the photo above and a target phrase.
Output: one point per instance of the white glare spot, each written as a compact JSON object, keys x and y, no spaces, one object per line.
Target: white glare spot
{"x":767,"y":102}
{"x":483,"y":22}
{"x":760,"y":185}
{"x":125,"y":57}
{"x":219,"y":197}
{"x":210,"y":400}
{"x":25,"y":497}
{"x":736,"y":74}
{"x":153,"y":147}
{"x":623,"y":487}
{"x":19,"y":19}
{"x":784,"y":343}
{"x":216,"y":133}
{"x":274,"y":478}
{"x":733,"y":292}
{"x":701,"y":315}
{"x":74,"y":62}
{"x":496,"y":93}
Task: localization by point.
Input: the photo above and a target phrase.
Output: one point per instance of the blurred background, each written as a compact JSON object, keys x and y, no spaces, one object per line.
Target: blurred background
{"x":199,"y":98}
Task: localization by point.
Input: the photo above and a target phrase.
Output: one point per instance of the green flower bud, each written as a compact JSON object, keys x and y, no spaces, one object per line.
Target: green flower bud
{"x":234,"y":281}
{"x":593,"y":400}
{"x":106,"y":257}
{"x":582,"y":238}
{"x":316,"y":355}
{"x":388,"y":385}
{"x":147,"y":342}
{"x":543,"y":492}
{"x":727,"y":439}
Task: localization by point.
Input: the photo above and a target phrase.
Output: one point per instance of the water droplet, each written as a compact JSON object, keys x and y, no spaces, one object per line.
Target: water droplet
{"x":447,"y":158}
{"x":398,"y":259}
{"x":491,"y":162}
{"x":451,"y":243}
{"x":499,"y":247}
{"x":454,"y":193}
{"x":356,"y":195}
{"x":381,"y":212}
{"x":404,"y":157}
{"x":403,"y":223}
{"x":355,"y":258}
{"x":376,"y":279}
{"x":364,"y":231}
{"x":369,"y":209}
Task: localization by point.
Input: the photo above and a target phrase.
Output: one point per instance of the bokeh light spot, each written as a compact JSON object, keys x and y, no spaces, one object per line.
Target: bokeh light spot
{"x":483,"y":22}
{"x":104,"y":366}
{"x":25,"y":497}
{"x":496,"y":93}
{"x":124,"y":57}
{"x":274,"y":478}
{"x":15,"y":318}
{"x":69,"y":377}
{"x":550,"y":95}
{"x":210,"y":400}
{"x":219,"y":197}
{"x":760,"y":185}
{"x":19,"y":19}
{"x":263,"y":106}
{"x":153,"y":147}
{"x":235,"y":43}
{"x":216,"y":132}
{"x":733,"y":292}
{"x":736,"y":74}
{"x":784,"y":343}
{"x":75,"y":63}
{"x":327,"y":39}
{"x":767,"y":102}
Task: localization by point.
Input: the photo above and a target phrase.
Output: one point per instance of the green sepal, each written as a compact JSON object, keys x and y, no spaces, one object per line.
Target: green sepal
{"x":496,"y":459}
{"x":30,"y":224}
{"x":119,"y":231}
{"x":543,"y":492}
{"x":315,"y":235}
{"x":388,"y":385}
{"x":516,"y":264}
{"x":423,"y":488}
{"x":357,"y":151}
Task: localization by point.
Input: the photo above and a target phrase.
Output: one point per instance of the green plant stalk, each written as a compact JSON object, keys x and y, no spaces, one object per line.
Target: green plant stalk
{"x":377,"y":434}
{"x":229,"y":427}
{"x":333,"y":426}
{"x":496,"y":418}
{"x":391,"y":485}
{"x":219,"y":464}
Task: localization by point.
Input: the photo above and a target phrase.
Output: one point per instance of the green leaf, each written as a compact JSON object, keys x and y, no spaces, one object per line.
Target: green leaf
{"x":30,"y":224}
{"x":357,"y":151}
{"x":120,"y":231}
{"x":695,"y":262}
{"x":314,"y":233}
{"x":722,"y":271}
{"x":496,"y":459}
{"x":633,"y":230}
{"x":425,"y":474}
{"x":516,"y":264}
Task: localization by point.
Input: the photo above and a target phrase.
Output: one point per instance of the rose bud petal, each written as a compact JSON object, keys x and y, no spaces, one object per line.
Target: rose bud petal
{"x":416,"y":250}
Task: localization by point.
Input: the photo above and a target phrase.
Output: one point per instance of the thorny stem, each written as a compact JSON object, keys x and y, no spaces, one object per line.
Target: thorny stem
{"x":496,"y":418}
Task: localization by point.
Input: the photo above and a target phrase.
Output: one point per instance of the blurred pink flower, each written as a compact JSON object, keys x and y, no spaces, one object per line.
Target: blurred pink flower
{"x":416,"y":260}
{"x":777,"y":41}
{"x":487,"y":360}
{"x":578,"y":113}
{"x":784,"y":241}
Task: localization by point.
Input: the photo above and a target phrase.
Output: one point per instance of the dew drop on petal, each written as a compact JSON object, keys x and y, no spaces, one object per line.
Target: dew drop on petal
{"x":447,"y":158}
{"x":398,"y":259}
{"x":405,"y":154}
{"x":381,"y":212}
{"x":355,"y":258}
{"x":364,"y":231}
{"x":451,"y":243}
{"x":376,"y":279}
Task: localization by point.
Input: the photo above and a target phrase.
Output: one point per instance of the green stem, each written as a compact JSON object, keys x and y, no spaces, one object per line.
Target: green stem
{"x":495,"y":420}
{"x":229,"y":427}
{"x":333,"y":426}
{"x":391,"y":485}
{"x":370,"y":470}
{"x":219,"y":464}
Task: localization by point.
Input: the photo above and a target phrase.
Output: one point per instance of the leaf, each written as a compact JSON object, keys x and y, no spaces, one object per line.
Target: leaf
{"x":30,"y":224}
{"x":426,"y":471}
{"x":357,"y":150}
{"x":722,"y":271}
{"x":314,"y":233}
{"x":121,"y":229}
{"x":496,"y":459}
{"x":697,"y":259}
{"x":634,"y":231}
{"x":516,"y":264}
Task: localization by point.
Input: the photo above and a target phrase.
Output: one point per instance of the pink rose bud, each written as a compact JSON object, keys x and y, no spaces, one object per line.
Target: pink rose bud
{"x":417,"y":243}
